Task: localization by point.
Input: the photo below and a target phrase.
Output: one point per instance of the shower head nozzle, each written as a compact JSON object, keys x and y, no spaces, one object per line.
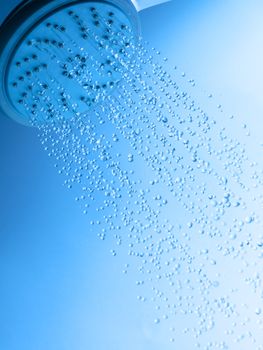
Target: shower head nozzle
{"x":58,"y":57}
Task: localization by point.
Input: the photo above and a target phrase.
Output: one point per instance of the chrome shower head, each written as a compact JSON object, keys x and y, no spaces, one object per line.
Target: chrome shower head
{"x":59,"y":57}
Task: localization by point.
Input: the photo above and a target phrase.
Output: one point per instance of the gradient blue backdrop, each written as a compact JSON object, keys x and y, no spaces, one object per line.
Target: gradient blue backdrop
{"x":59,"y":286}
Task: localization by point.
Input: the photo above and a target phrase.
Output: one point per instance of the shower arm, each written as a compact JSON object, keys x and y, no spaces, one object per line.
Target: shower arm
{"x":144,"y":4}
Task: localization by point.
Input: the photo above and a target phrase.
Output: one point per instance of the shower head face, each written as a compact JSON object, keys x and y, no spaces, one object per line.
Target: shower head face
{"x":62,"y":59}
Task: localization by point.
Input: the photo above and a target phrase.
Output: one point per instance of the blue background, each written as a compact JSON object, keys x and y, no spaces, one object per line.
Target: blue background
{"x":60,"y":288}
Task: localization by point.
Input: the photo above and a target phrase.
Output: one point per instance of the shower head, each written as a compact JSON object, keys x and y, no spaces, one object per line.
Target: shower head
{"x":57,"y":57}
